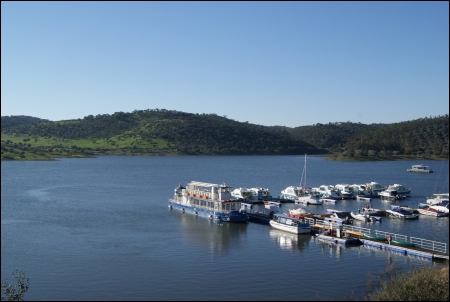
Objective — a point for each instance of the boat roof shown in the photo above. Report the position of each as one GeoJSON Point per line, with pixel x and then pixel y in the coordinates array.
{"type": "Point", "coordinates": [203, 184]}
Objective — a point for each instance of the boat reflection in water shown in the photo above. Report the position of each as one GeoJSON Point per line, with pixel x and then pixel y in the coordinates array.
{"type": "Point", "coordinates": [214, 235]}
{"type": "Point", "coordinates": [288, 241]}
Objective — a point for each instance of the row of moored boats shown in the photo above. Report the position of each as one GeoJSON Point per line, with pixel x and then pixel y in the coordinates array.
{"type": "Point", "coordinates": [217, 202]}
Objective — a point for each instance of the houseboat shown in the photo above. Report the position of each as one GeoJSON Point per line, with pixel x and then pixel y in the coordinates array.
{"type": "Point", "coordinates": [420, 169]}
{"type": "Point", "coordinates": [208, 200]}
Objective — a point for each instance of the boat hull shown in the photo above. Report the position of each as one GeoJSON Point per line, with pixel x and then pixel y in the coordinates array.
{"type": "Point", "coordinates": [299, 229]}
{"type": "Point", "coordinates": [234, 216]}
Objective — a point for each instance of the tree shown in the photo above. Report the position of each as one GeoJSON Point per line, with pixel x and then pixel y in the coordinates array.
{"type": "Point", "coordinates": [16, 292]}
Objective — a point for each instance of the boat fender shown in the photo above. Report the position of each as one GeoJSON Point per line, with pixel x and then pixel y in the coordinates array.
{"type": "Point", "coordinates": [196, 213]}
{"type": "Point", "coordinates": [182, 210]}
{"type": "Point", "coordinates": [389, 238]}
{"type": "Point", "coordinates": [170, 207]}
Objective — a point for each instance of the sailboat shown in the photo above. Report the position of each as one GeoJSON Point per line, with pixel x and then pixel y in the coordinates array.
{"type": "Point", "coordinates": [309, 196]}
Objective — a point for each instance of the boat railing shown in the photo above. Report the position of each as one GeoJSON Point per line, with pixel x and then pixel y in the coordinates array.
{"type": "Point", "coordinates": [356, 229]}
{"type": "Point", "coordinates": [429, 244]}
{"type": "Point", "coordinates": [394, 236]}
{"type": "Point", "coordinates": [309, 220]}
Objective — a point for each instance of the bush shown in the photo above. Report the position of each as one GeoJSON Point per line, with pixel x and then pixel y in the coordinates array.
{"type": "Point", "coordinates": [15, 293]}
{"type": "Point", "coordinates": [425, 284]}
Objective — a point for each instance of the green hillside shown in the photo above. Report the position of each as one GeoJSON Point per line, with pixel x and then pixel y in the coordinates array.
{"type": "Point", "coordinates": [168, 132]}
{"type": "Point", "coordinates": [147, 132]}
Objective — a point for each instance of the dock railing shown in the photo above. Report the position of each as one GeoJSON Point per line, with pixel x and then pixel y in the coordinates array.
{"type": "Point", "coordinates": [394, 236]}
{"type": "Point", "coordinates": [356, 229]}
{"type": "Point", "coordinates": [429, 244]}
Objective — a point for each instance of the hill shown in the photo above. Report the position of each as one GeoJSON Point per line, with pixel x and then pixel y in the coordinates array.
{"type": "Point", "coordinates": [153, 132]}
{"type": "Point", "coordinates": [169, 132]}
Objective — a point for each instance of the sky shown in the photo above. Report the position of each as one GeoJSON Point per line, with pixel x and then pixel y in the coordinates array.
{"type": "Point", "coordinates": [267, 63]}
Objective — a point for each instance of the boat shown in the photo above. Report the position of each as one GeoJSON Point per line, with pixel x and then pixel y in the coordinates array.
{"type": "Point", "coordinates": [292, 193]}
{"type": "Point", "coordinates": [433, 211]}
{"type": "Point", "coordinates": [208, 200]}
{"type": "Point", "coordinates": [289, 224]}
{"type": "Point", "coordinates": [298, 211]}
{"type": "Point", "coordinates": [374, 237]}
{"type": "Point", "coordinates": [307, 195]}
{"type": "Point", "coordinates": [344, 191]}
{"type": "Point", "coordinates": [401, 190]}
{"type": "Point", "coordinates": [243, 193]}
{"type": "Point", "coordinates": [406, 208]}
{"type": "Point", "coordinates": [364, 217]}
{"type": "Point", "coordinates": [402, 213]}
{"type": "Point", "coordinates": [390, 195]}
{"type": "Point", "coordinates": [374, 188]}
{"type": "Point", "coordinates": [360, 190]}
{"type": "Point", "coordinates": [329, 192]}
{"type": "Point", "coordinates": [420, 169]}
{"type": "Point", "coordinates": [260, 194]}
{"type": "Point", "coordinates": [310, 199]}
{"type": "Point", "coordinates": [438, 198]}
{"type": "Point", "coordinates": [339, 218]}
{"type": "Point", "coordinates": [402, 243]}
{"type": "Point", "coordinates": [262, 217]}
{"type": "Point", "coordinates": [373, 212]}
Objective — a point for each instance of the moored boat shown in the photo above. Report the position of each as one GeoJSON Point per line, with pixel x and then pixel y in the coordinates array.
{"type": "Point", "coordinates": [289, 224]}
{"type": "Point", "coordinates": [374, 188]}
{"type": "Point", "coordinates": [344, 191]}
{"type": "Point", "coordinates": [373, 212]}
{"type": "Point", "coordinates": [401, 213]}
{"type": "Point", "coordinates": [208, 200]}
{"type": "Point", "coordinates": [262, 217]}
{"type": "Point", "coordinates": [438, 198]}
{"type": "Point", "coordinates": [433, 211]}
{"type": "Point", "coordinates": [389, 194]}
{"type": "Point", "coordinates": [400, 189]}
{"type": "Point", "coordinates": [243, 193]}
{"type": "Point", "coordinates": [374, 237]}
{"type": "Point", "coordinates": [365, 217]}
{"type": "Point", "coordinates": [261, 194]}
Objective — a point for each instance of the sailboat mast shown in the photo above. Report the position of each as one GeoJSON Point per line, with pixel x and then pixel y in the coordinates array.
{"type": "Point", "coordinates": [303, 173]}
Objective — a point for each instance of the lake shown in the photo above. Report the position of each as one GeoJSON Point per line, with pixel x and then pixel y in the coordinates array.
{"type": "Point", "coordinates": [100, 229]}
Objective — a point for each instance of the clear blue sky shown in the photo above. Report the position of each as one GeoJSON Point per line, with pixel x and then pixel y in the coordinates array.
{"type": "Point", "coordinates": [268, 63]}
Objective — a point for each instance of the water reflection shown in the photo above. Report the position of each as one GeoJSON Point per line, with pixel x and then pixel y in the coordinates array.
{"type": "Point", "coordinates": [288, 241]}
{"type": "Point", "coordinates": [216, 236]}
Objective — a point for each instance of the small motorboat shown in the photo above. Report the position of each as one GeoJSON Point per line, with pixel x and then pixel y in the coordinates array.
{"type": "Point", "coordinates": [365, 217]}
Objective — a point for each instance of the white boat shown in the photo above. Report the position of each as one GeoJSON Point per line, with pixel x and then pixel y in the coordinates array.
{"type": "Point", "coordinates": [289, 224]}
{"type": "Point", "coordinates": [365, 217]}
{"type": "Point", "coordinates": [310, 199]}
{"type": "Point", "coordinates": [339, 217]}
{"type": "Point", "coordinates": [243, 193]}
{"type": "Point", "coordinates": [402, 213]}
{"type": "Point", "coordinates": [374, 188]}
{"type": "Point", "coordinates": [208, 200]}
{"type": "Point", "coordinates": [361, 191]}
{"type": "Point", "coordinates": [420, 169]}
{"type": "Point", "coordinates": [438, 198]}
{"type": "Point", "coordinates": [401, 190]}
{"type": "Point", "coordinates": [298, 211]}
{"type": "Point", "coordinates": [292, 193]}
{"type": "Point", "coordinates": [259, 193]}
{"type": "Point", "coordinates": [344, 191]}
{"type": "Point", "coordinates": [390, 195]}
{"type": "Point", "coordinates": [434, 211]}
{"type": "Point", "coordinates": [329, 192]}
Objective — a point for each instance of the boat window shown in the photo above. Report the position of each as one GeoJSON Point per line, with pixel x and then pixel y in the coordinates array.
{"type": "Point", "coordinates": [288, 221]}
{"type": "Point", "coordinates": [282, 220]}
{"type": "Point", "coordinates": [232, 206]}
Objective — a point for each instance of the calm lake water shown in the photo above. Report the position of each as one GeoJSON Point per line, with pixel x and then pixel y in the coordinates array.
{"type": "Point", "coordinates": [100, 229]}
